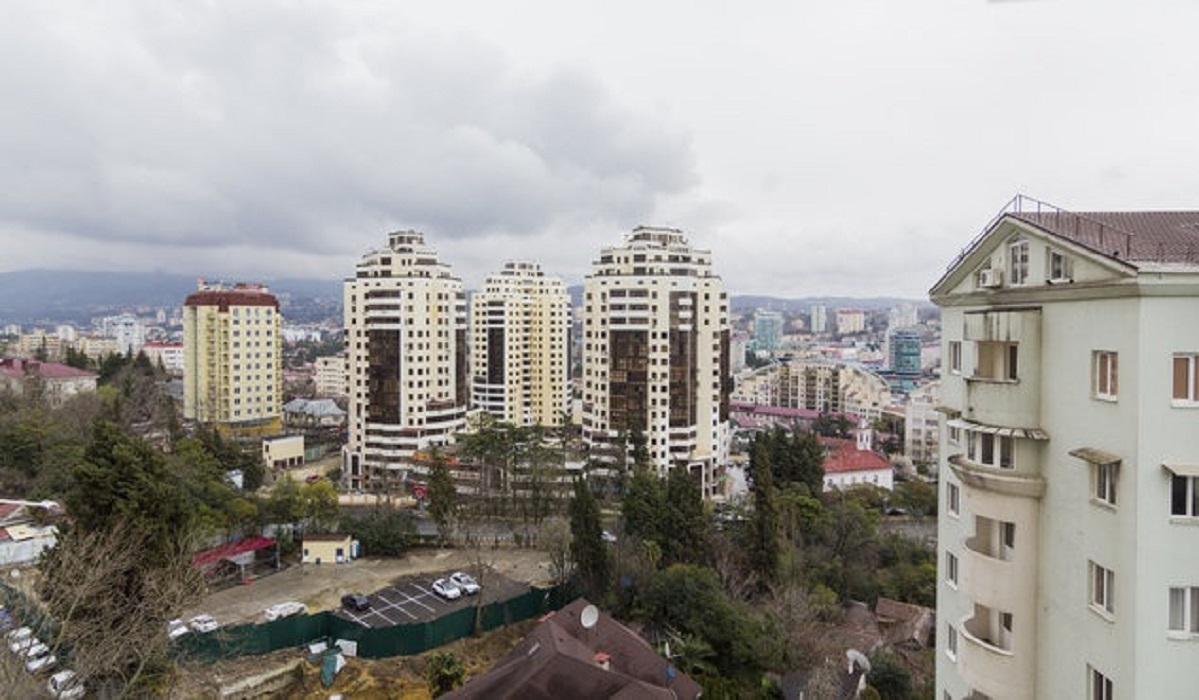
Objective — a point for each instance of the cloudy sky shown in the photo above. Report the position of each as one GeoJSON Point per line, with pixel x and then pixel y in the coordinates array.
{"type": "Point", "coordinates": [842, 147]}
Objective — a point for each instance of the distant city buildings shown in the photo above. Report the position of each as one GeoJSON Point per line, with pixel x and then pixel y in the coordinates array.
{"type": "Point", "coordinates": [1070, 461]}
{"type": "Point", "coordinates": [823, 387]}
{"type": "Point", "coordinates": [851, 321]}
{"type": "Point", "coordinates": [818, 316]}
{"type": "Point", "coordinates": [656, 354]}
{"type": "Point", "coordinates": [520, 339]}
{"type": "Point", "coordinates": [329, 376]}
{"type": "Point", "coordinates": [922, 421]}
{"type": "Point", "coordinates": [768, 330]}
{"type": "Point", "coordinates": [232, 375]}
{"type": "Point", "coordinates": [128, 332]}
{"type": "Point", "coordinates": [169, 355]}
{"type": "Point", "coordinates": [54, 382]}
{"type": "Point", "coordinates": [406, 361]}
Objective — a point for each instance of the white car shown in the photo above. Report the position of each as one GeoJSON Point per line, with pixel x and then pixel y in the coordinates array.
{"type": "Point", "coordinates": [37, 649]}
{"type": "Point", "coordinates": [41, 663]}
{"type": "Point", "coordinates": [176, 629]}
{"type": "Point", "coordinates": [23, 645]}
{"type": "Point", "coordinates": [64, 685]}
{"type": "Point", "coordinates": [280, 610]}
{"type": "Point", "coordinates": [447, 589]}
{"type": "Point", "coordinates": [466, 582]}
{"type": "Point", "coordinates": [203, 624]}
{"type": "Point", "coordinates": [18, 634]}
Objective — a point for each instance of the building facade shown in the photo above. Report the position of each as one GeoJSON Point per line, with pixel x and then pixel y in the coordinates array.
{"type": "Point", "coordinates": [233, 357]}
{"type": "Point", "coordinates": [656, 353]}
{"type": "Point", "coordinates": [922, 424]}
{"type": "Point", "coordinates": [1070, 460]}
{"type": "Point", "coordinates": [329, 376]}
{"type": "Point", "coordinates": [768, 330]}
{"type": "Point", "coordinates": [519, 352]}
{"type": "Point", "coordinates": [824, 387]}
{"type": "Point", "coordinates": [851, 321]}
{"type": "Point", "coordinates": [406, 361]}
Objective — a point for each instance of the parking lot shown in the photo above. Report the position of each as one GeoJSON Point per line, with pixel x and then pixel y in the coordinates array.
{"type": "Point", "coordinates": [411, 599]}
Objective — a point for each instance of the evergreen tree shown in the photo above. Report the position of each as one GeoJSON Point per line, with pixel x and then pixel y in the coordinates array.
{"type": "Point", "coordinates": [685, 537]}
{"type": "Point", "coordinates": [443, 495]}
{"type": "Point", "coordinates": [764, 535]}
{"type": "Point", "coordinates": [643, 507]}
{"type": "Point", "coordinates": [587, 544]}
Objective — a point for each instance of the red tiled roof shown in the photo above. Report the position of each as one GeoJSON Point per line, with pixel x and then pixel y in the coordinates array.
{"type": "Point", "coordinates": [851, 459]}
{"type": "Point", "coordinates": [238, 296]}
{"type": "Point", "coordinates": [17, 368]}
{"type": "Point", "coordinates": [1133, 236]}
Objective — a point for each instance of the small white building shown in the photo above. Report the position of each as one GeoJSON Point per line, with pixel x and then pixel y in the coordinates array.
{"type": "Point", "coordinates": [283, 451]}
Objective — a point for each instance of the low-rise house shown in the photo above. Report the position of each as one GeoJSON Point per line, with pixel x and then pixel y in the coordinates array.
{"type": "Point", "coordinates": [329, 548]}
{"type": "Point", "coordinates": [283, 451]}
{"type": "Point", "coordinates": [55, 381]}
{"type": "Point", "coordinates": [313, 412]}
{"type": "Point", "coordinates": [26, 528]}
{"type": "Point", "coordinates": [580, 652]}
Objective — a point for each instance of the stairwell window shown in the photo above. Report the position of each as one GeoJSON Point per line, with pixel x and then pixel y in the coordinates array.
{"type": "Point", "coordinates": [1106, 377]}
{"type": "Point", "coordinates": [955, 356]}
{"type": "Point", "coordinates": [1100, 686]}
{"type": "Point", "coordinates": [951, 642]}
{"type": "Point", "coordinates": [1018, 262]}
{"type": "Point", "coordinates": [1184, 610]}
{"type": "Point", "coordinates": [1184, 496]}
{"type": "Point", "coordinates": [1102, 584]}
{"type": "Point", "coordinates": [1186, 379]}
{"type": "Point", "coordinates": [1105, 482]}
{"type": "Point", "coordinates": [953, 494]}
{"type": "Point", "coordinates": [951, 569]}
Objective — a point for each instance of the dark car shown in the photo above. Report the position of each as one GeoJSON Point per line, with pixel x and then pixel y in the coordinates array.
{"type": "Point", "coordinates": [355, 601]}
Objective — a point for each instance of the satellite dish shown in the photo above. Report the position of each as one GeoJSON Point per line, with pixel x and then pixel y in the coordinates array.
{"type": "Point", "coordinates": [857, 658]}
{"type": "Point", "coordinates": [589, 616]}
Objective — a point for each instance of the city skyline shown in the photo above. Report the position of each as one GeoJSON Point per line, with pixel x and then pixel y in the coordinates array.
{"type": "Point", "coordinates": [841, 149]}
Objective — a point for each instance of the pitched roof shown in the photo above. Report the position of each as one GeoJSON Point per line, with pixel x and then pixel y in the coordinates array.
{"type": "Point", "coordinates": [848, 458]}
{"type": "Point", "coordinates": [1132, 236]}
{"type": "Point", "coordinates": [559, 660]}
{"type": "Point", "coordinates": [18, 368]}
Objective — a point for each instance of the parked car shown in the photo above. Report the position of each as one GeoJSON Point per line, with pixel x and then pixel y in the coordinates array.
{"type": "Point", "coordinates": [18, 634]}
{"type": "Point", "coordinates": [466, 582]}
{"type": "Point", "coordinates": [65, 685]}
{"type": "Point", "coordinates": [280, 610]}
{"type": "Point", "coordinates": [203, 624]}
{"type": "Point", "coordinates": [313, 478]}
{"type": "Point", "coordinates": [38, 648]}
{"type": "Point", "coordinates": [23, 645]}
{"type": "Point", "coordinates": [356, 602]}
{"type": "Point", "coordinates": [607, 536]}
{"type": "Point", "coordinates": [176, 629]}
{"type": "Point", "coordinates": [447, 589]}
{"type": "Point", "coordinates": [41, 664]}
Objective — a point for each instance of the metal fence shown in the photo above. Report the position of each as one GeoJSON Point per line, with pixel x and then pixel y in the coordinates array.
{"type": "Point", "coordinates": [373, 642]}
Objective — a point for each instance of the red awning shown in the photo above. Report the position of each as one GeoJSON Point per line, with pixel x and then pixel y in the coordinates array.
{"type": "Point", "coordinates": [250, 544]}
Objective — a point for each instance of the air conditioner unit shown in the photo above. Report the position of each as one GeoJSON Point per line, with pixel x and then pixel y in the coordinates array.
{"type": "Point", "coordinates": [990, 278]}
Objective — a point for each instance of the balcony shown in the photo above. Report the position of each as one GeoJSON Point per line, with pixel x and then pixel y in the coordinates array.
{"type": "Point", "coordinates": [988, 580]}
{"type": "Point", "coordinates": [985, 664]}
{"type": "Point", "coordinates": [1004, 481]}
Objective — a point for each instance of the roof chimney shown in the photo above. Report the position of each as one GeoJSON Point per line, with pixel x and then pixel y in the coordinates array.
{"type": "Point", "coordinates": [602, 660]}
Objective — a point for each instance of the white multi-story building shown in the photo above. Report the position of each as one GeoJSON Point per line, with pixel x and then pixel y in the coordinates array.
{"type": "Point", "coordinates": [825, 387]}
{"type": "Point", "coordinates": [656, 353]}
{"type": "Point", "coordinates": [233, 357]}
{"type": "Point", "coordinates": [850, 321]}
{"type": "Point", "coordinates": [405, 316]}
{"type": "Point", "coordinates": [921, 424]}
{"type": "Point", "coordinates": [818, 316]}
{"type": "Point", "coordinates": [1070, 462]}
{"type": "Point", "coordinates": [519, 353]}
{"type": "Point", "coordinates": [169, 355]}
{"type": "Point", "coordinates": [329, 376]}
{"type": "Point", "coordinates": [127, 330]}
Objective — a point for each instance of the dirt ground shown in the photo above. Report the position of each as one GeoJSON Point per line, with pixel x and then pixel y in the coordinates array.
{"type": "Point", "coordinates": [321, 587]}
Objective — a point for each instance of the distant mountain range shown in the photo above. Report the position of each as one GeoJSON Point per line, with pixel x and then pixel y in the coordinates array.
{"type": "Point", "coordinates": [56, 296]}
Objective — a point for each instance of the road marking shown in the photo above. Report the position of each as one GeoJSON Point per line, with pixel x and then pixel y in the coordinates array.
{"type": "Point", "coordinates": [416, 600]}
{"type": "Point", "coordinates": [395, 605]}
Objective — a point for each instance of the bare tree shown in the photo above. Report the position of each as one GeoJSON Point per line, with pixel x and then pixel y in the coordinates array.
{"type": "Point", "coordinates": [554, 538]}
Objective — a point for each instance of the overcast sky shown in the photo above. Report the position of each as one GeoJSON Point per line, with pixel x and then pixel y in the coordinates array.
{"type": "Point", "coordinates": [835, 147]}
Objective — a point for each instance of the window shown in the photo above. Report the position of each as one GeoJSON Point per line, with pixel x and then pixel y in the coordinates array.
{"type": "Point", "coordinates": [1184, 496]}
{"type": "Point", "coordinates": [997, 361]}
{"type": "Point", "coordinates": [990, 450]}
{"type": "Point", "coordinates": [951, 569]}
{"type": "Point", "coordinates": [951, 641]}
{"type": "Point", "coordinates": [1105, 482]}
{"type": "Point", "coordinates": [1186, 378]}
{"type": "Point", "coordinates": [1106, 378]}
{"type": "Point", "coordinates": [1100, 686]}
{"type": "Point", "coordinates": [955, 356]}
{"type": "Point", "coordinates": [1184, 610]}
{"type": "Point", "coordinates": [1018, 259]}
{"type": "Point", "coordinates": [1061, 268]}
{"type": "Point", "coordinates": [1102, 582]}
{"type": "Point", "coordinates": [953, 494]}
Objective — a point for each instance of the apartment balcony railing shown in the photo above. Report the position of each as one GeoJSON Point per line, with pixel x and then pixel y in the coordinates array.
{"type": "Point", "coordinates": [1004, 481]}
{"type": "Point", "coordinates": [984, 665]}
{"type": "Point", "coordinates": [988, 580]}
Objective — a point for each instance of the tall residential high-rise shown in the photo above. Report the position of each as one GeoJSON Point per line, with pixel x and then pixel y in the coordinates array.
{"type": "Point", "coordinates": [520, 339]}
{"type": "Point", "coordinates": [405, 319]}
{"type": "Point", "coordinates": [768, 330]}
{"type": "Point", "coordinates": [904, 352]}
{"type": "Point", "coordinates": [818, 320]}
{"type": "Point", "coordinates": [656, 353]}
{"type": "Point", "coordinates": [1070, 461]}
{"type": "Point", "coordinates": [233, 357]}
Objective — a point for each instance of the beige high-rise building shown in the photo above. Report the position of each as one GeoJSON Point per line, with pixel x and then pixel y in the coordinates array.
{"type": "Point", "coordinates": [520, 335]}
{"type": "Point", "coordinates": [656, 353]}
{"type": "Point", "coordinates": [233, 357]}
{"type": "Point", "coordinates": [406, 361]}
{"type": "Point", "coordinates": [1069, 474]}
{"type": "Point", "coordinates": [329, 376]}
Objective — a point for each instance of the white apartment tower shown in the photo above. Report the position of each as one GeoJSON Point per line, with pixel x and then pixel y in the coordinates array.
{"type": "Point", "coordinates": [1069, 480]}
{"type": "Point", "coordinates": [520, 335]}
{"type": "Point", "coordinates": [405, 316]}
{"type": "Point", "coordinates": [656, 353]}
